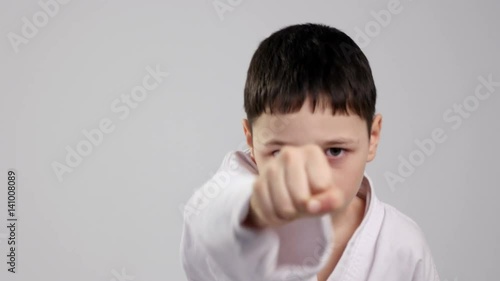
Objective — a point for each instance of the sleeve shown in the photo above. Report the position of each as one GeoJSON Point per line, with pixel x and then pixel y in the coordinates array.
{"type": "Point", "coordinates": [425, 269]}
{"type": "Point", "coordinates": [216, 247]}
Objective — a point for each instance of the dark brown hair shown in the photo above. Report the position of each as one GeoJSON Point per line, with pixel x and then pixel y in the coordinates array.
{"type": "Point", "coordinates": [309, 60]}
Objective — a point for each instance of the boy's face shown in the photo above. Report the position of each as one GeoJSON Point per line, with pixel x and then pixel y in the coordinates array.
{"type": "Point", "coordinates": [344, 138]}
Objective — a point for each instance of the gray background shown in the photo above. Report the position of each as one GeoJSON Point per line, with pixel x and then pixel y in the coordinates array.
{"type": "Point", "coordinates": [119, 208]}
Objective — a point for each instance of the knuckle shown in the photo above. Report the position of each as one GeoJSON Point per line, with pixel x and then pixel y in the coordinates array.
{"type": "Point", "coordinates": [287, 153]}
{"type": "Point", "coordinates": [301, 202]}
{"type": "Point", "coordinates": [286, 212]}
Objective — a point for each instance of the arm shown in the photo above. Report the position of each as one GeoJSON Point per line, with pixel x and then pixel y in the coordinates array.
{"type": "Point", "coordinates": [425, 269]}
{"type": "Point", "coordinates": [216, 246]}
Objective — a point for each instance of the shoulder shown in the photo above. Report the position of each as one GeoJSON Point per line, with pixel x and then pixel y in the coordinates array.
{"type": "Point", "coordinates": [238, 162]}
{"type": "Point", "coordinates": [410, 245]}
{"type": "Point", "coordinates": [399, 219]}
{"type": "Point", "coordinates": [403, 233]}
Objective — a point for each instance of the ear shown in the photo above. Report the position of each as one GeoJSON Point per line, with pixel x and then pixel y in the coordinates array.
{"type": "Point", "coordinates": [247, 130]}
{"type": "Point", "coordinates": [374, 137]}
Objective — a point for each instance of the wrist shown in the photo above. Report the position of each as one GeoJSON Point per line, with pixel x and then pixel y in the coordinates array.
{"type": "Point", "coordinates": [251, 220]}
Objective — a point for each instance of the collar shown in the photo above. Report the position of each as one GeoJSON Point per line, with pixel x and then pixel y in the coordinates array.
{"type": "Point", "coordinates": [359, 250]}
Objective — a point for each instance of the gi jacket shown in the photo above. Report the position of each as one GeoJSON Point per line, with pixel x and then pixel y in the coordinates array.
{"type": "Point", "coordinates": [387, 246]}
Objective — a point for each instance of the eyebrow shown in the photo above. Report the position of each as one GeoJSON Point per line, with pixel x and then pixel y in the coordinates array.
{"type": "Point", "coordinates": [332, 142]}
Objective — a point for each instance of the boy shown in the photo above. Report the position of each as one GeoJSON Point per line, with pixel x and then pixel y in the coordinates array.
{"type": "Point", "coordinates": [297, 205]}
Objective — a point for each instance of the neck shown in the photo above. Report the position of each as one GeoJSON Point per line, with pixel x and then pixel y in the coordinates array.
{"type": "Point", "coordinates": [344, 223]}
{"type": "Point", "coordinates": [347, 220]}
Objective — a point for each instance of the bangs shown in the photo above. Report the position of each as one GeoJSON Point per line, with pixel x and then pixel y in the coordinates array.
{"type": "Point", "coordinates": [309, 61]}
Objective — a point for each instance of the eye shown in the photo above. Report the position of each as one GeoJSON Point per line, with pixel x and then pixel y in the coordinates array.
{"type": "Point", "coordinates": [275, 153]}
{"type": "Point", "coordinates": [334, 152]}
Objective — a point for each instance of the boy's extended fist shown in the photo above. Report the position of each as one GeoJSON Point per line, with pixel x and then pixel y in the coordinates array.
{"type": "Point", "coordinates": [297, 182]}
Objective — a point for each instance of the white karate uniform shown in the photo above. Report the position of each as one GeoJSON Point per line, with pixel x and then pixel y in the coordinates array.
{"type": "Point", "coordinates": [387, 246]}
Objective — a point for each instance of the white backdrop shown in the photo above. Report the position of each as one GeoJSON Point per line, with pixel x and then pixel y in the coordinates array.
{"type": "Point", "coordinates": [113, 112]}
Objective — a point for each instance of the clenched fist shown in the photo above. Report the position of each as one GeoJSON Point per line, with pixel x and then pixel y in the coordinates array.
{"type": "Point", "coordinates": [297, 182]}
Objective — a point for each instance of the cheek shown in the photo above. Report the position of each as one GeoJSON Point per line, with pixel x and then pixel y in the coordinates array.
{"type": "Point", "coordinates": [260, 160]}
{"type": "Point", "coordinates": [349, 175]}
